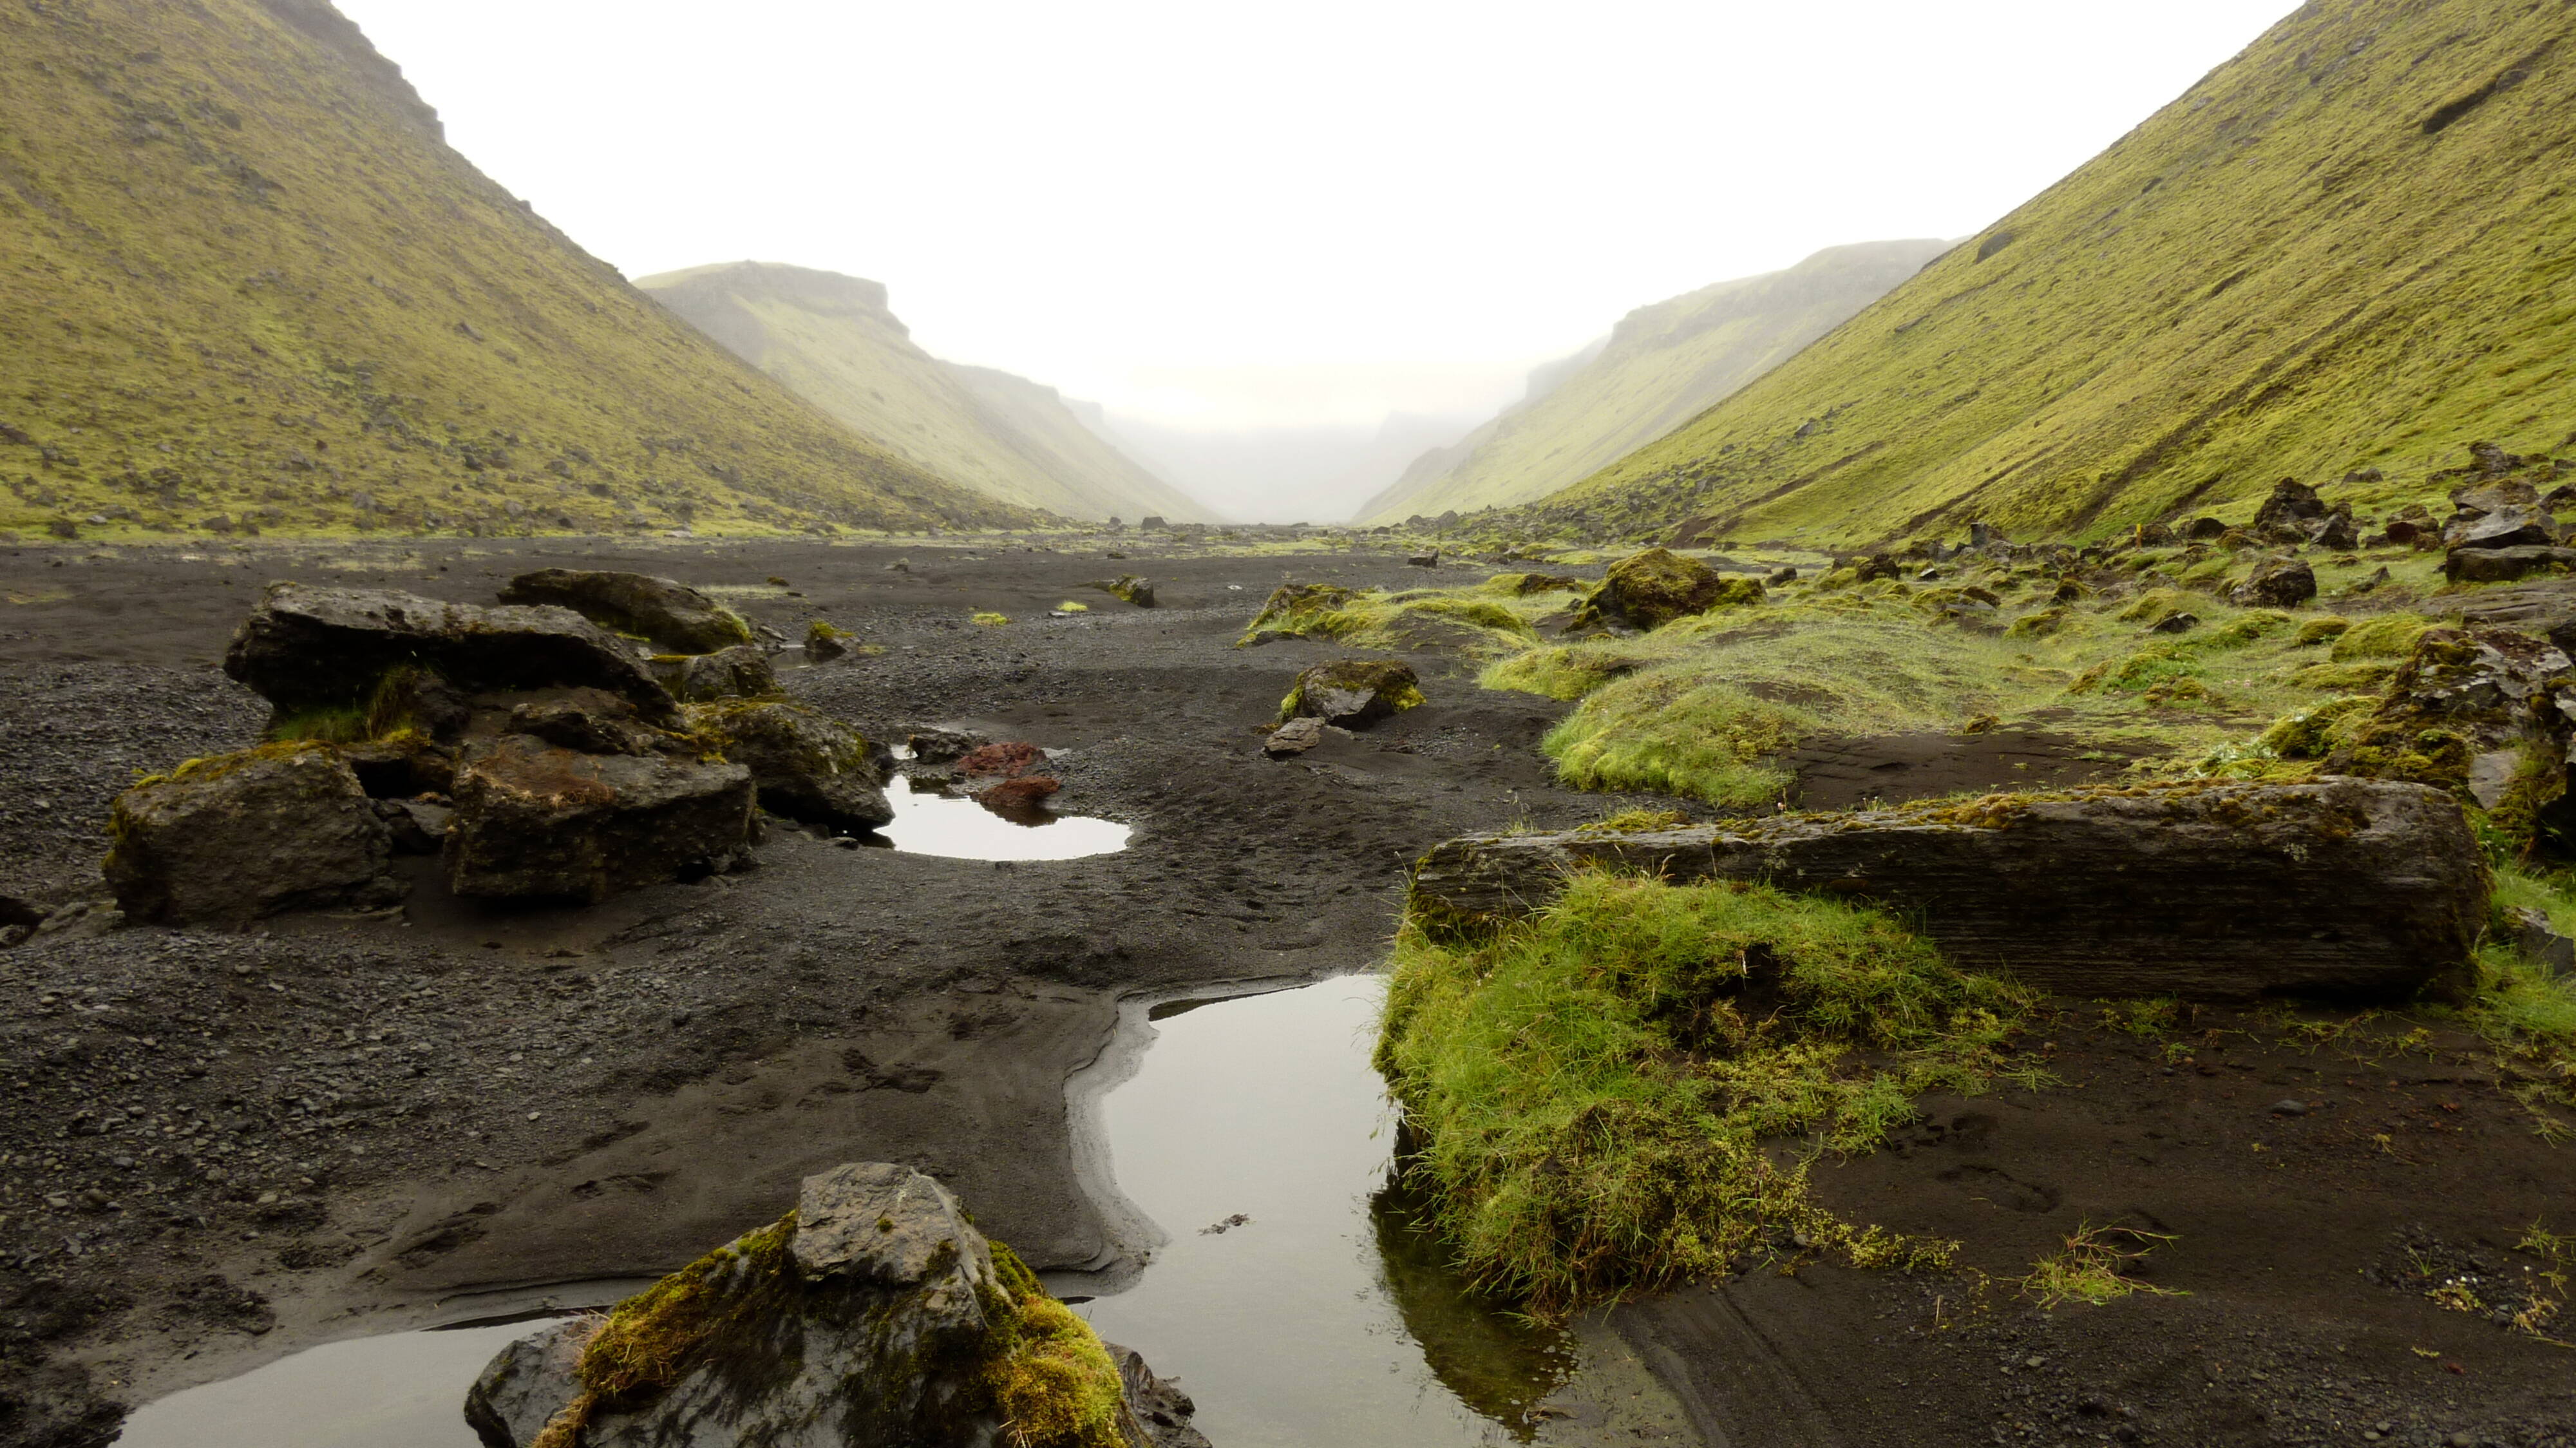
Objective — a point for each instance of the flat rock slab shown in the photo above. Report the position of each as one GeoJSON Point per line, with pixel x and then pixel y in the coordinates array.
{"type": "Point", "coordinates": [2344, 888]}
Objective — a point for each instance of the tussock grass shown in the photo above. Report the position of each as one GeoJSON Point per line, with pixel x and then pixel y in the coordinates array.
{"type": "Point", "coordinates": [2090, 1267]}
{"type": "Point", "coordinates": [1593, 1089]}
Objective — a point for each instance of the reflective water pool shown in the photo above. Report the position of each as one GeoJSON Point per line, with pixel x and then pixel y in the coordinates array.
{"type": "Point", "coordinates": [928, 823]}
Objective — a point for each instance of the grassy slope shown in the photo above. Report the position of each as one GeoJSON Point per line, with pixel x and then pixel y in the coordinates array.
{"type": "Point", "coordinates": [244, 276]}
{"type": "Point", "coordinates": [2314, 261]}
{"type": "Point", "coordinates": [832, 340]}
{"type": "Point", "coordinates": [1664, 364]}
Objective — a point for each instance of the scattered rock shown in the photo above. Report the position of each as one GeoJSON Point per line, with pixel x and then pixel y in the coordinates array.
{"type": "Point", "coordinates": [873, 1314]}
{"type": "Point", "coordinates": [2174, 623]}
{"type": "Point", "coordinates": [806, 767]}
{"type": "Point", "coordinates": [306, 647]}
{"type": "Point", "coordinates": [1297, 736]}
{"type": "Point", "coordinates": [2338, 531]}
{"type": "Point", "coordinates": [2204, 529]}
{"type": "Point", "coordinates": [2338, 888]}
{"type": "Point", "coordinates": [939, 746]}
{"type": "Point", "coordinates": [1423, 560]}
{"type": "Point", "coordinates": [591, 722]}
{"type": "Point", "coordinates": [417, 827]}
{"type": "Point", "coordinates": [2508, 527]}
{"type": "Point", "coordinates": [1127, 587]}
{"type": "Point", "coordinates": [1292, 610]}
{"type": "Point", "coordinates": [2460, 693]}
{"type": "Point", "coordinates": [824, 643]}
{"type": "Point", "coordinates": [1352, 693]}
{"type": "Point", "coordinates": [239, 836]}
{"type": "Point", "coordinates": [1649, 589]}
{"type": "Point", "coordinates": [1533, 583]}
{"type": "Point", "coordinates": [2292, 503]}
{"type": "Point", "coordinates": [2276, 583]}
{"type": "Point", "coordinates": [2289, 1108]}
{"type": "Point", "coordinates": [1001, 761]}
{"type": "Point", "coordinates": [740, 672]}
{"type": "Point", "coordinates": [534, 820]}
{"type": "Point", "coordinates": [675, 617]}
{"type": "Point", "coordinates": [2540, 942]}
{"type": "Point", "coordinates": [2503, 565]}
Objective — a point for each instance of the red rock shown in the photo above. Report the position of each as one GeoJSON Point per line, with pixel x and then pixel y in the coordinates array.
{"type": "Point", "coordinates": [1008, 761]}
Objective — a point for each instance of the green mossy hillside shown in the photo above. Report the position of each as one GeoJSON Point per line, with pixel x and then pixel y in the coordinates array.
{"type": "Point", "coordinates": [2347, 249]}
{"type": "Point", "coordinates": [1662, 365]}
{"type": "Point", "coordinates": [1589, 1089]}
{"type": "Point", "coordinates": [248, 286]}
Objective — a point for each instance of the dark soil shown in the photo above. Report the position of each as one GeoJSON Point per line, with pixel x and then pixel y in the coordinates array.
{"type": "Point", "coordinates": [221, 1147]}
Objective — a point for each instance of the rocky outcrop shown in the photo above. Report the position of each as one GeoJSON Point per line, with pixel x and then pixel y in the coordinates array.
{"type": "Point", "coordinates": [2293, 506]}
{"type": "Point", "coordinates": [239, 836]}
{"type": "Point", "coordinates": [874, 1315]}
{"type": "Point", "coordinates": [806, 767]}
{"type": "Point", "coordinates": [536, 820]}
{"type": "Point", "coordinates": [1352, 693]}
{"type": "Point", "coordinates": [307, 647]}
{"type": "Point", "coordinates": [2345, 888]}
{"type": "Point", "coordinates": [2504, 565]}
{"type": "Point", "coordinates": [677, 619]}
{"type": "Point", "coordinates": [741, 672]}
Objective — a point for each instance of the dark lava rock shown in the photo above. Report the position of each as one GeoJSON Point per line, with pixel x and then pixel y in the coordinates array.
{"type": "Point", "coordinates": [238, 836]}
{"type": "Point", "coordinates": [2291, 504]}
{"type": "Point", "coordinates": [2510, 527]}
{"type": "Point", "coordinates": [874, 1314]}
{"type": "Point", "coordinates": [1127, 588]}
{"type": "Point", "coordinates": [2503, 565]}
{"type": "Point", "coordinates": [537, 821]}
{"type": "Point", "coordinates": [418, 827]}
{"type": "Point", "coordinates": [2338, 531]}
{"type": "Point", "coordinates": [2341, 888]}
{"type": "Point", "coordinates": [1649, 589]}
{"type": "Point", "coordinates": [807, 767]}
{"type": "Point", "coordinates": [2540, 942]}
{"type": "Point", "coordinates": [1423, 560]}
{"type": "Point", "coordinates": [1352, 692]}
{"type": "Point", "coordinates": [2174, 623]}
{"type": "Point", "coordinates": [741, 672]}
{"type": "Point", "coordinates": [307, 647]}
{"type": "Point", "coordinates": [2276, 583]}
{"type": "Point", "coordinates": [939, 746]}
{"type": "Point", "coordinates": [824, 643]}
{"type": "Point", "coordinates": [675, 617]}
{"type": "Point", "coordinates": [403, 764]}
{"type": "Point", "coordinates": [2204, 529]}
{"type": "Point", "coordinates": [591, 722]}
{"type": "Point", "coordinates": [2461, 693]}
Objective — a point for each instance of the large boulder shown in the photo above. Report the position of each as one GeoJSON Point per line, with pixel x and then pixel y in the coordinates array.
{"type": "Point", "coordinates": [2276, 583]}
{"type": "Point", "coordinates": [807, 767]}
{"type": "Point", "coordinates": [875, 1314]}
{"type": "Point", "coordinates": [2344, 888]}
{"type": "Point", "coordinates": [741, 672]}
{"type": "Point", "coordinates": [1647, 590]}
{"type": "Point", "coordinates": [232, 838]}
{"type": "Point", "coordinates": [2463, 695]}
{"type": "Point", "coordinates": [2293, 505]}
{"type": "Point", "coordinates": [677, 618]}
{"type": "Point", "coordinates": [1352, 693]}
{"type": "Point", "coordinates": [535, 820]}
{"type": "Point", "coordinates": [307, 647]}
{"type": "Point", "coordinates": [2503, 565]}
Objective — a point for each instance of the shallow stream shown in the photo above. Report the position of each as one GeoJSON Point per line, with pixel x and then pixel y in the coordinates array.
{"type": "Point", "coordinates": [1322, 1319]}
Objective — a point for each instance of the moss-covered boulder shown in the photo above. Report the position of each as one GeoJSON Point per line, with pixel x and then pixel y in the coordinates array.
{"type": "Point", "coordinates": [824, 643]}
{"type": "Point", "coordinates": [1127, 588]}
{"type": "Point", "coordinates": [1650, 589]}
{"type": "Point", "coordinates": [2276, 583]}
{"type": "Point", "coordinates": [806, 767]}
{"type": "Point", "coordinates": [874, 1313]}
{"type": "Point", "coordinates": [675, 617]}
{"type": "Point", "coordinates": [2462, 694]}
{"type": "Point", "coordinates": [538, 821]}
{"type": "Point", "coordinates": [239, 836]}
{"type": "Point", "coordinates": [742, 672]}
{"type": "Point", "coordinates": [1352, 693]}
{"type": "Point", "coordinates": [1297, 610]}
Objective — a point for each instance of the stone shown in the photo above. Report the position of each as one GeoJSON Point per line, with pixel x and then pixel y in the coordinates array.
{"type": "Point", "coordinates": [2540, 942]}
{"type": "Point", "coordinates": [2204, 529]}
{"type": "Point", "coordinates": [1127, 588]}
{"type": "Point", "coordinates": [1022, 798]}
{"type": "Point", "coordinates": [1293, 610]}
{"type": "Point", "coordinates": [591, 722]}
{"type": "Point", "coordinates": [2503, 565]}
{"type": "Point", "coordinates": [1423, 560]}
{"type": "Point", "coordinates": [824, 643]}
{"type": "Point", "coordinates": [416, 826]}
{"type": "Point", "coordinates": [1008, 760]}
{"type": "Point", "coordinates": [537, 821]}
{"type": "Point", "coordinates": [308, 647]}
{"type": "Point", "coordinates": [939, 746]}
{"type": "Point", "coordinates": [805, 766]}
{"type": "Point", "coordinates": [741, 672]}
{"type": "Point", "coordinates": [873, 1315]}
{"type": "Point", "coordinates": [1534, 583]}
{"type": "Point", "coordinates": [240, 836]}
{"type": "Point", "coordinates": [1294, 737]}
{"type": "Point", "coordinates": [2504, 528]}
{"type": "Point", "coordinates": [2275, 583]}
{"type": "Point", "coordinates": [2338, 531]}
{"type": "Point", "coordinates": [2174, 623]}
{"type": "Point", "coordinates": [2289, 1108]}
{"type": "Point", "coordinates": [1352, 693]}
{"type": "Point", "coordinates": [2341, 888]}
{"type": "Point", "coordinates": [676, 618]}
{"type": "Point", "coordinates": [1649, 589]}
{"type": "Point", "coordinates": [2291, 504]}
{"type": "Point", "coordinates": [403, 764]}
{"type": "Point", "coordinates": [2460, 693]}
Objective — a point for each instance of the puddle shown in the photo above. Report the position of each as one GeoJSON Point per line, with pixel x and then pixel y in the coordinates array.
{"type": "Point", "coordinates": [400, 1390]}
{"type": "Point", "coordinates": [928, 823]}
{"type": "Point", "coordinates": [1326, 1318]}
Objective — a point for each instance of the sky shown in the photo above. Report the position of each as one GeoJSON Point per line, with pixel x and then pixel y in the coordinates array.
{"type": "Point", "coordinates": [1216, 216]}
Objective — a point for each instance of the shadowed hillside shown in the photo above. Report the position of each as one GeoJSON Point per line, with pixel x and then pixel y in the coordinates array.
{"type": "Point", "coordinates": [1661, 365]}
{"type": "Point", "coordinates": [2347, 248]}
{"type": "Point", "coordinates": [832, 340]}
{"type": "Point", "coordinates": [247, 285]}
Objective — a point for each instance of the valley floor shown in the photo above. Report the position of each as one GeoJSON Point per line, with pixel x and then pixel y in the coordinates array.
{"type": "Point", "coordinates": [222, 1147]}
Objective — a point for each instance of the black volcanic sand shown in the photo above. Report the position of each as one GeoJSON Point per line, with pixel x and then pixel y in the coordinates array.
{"type": "Point", "coordinates": [222, 1147]}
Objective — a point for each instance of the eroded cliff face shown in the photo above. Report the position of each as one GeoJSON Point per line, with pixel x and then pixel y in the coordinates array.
{"type": "Point", "coordinates": [835, 342]}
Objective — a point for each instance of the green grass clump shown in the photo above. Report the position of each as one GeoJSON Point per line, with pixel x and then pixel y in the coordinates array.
{"type": "Point", "coordinates": [1560, 672]}
{"type": "Point", "coordinates": [2389, 636]}
{"type": "Point", "coordinates": [251, 290]}
{"type": "Point", "coordinates": [1677, 734]}
{"type": "Point", "coordinates": [1591, 1087]}
{"type": "Point", "coordinates": [990, 619]}
{"type": "Point", "coordinates": [2090, 1267]}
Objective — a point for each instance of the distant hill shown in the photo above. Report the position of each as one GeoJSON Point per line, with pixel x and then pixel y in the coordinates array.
{"type": "Point", "coordinates": [1312, 473]}
{"type": "Point", "coordinates": [247, 285]}
{"type": "Point", "coordinates": [1662, 365]}
{"type": "Point", "coordinates": [2350, 247]}
{"type": "Point", "coordinates": [833, 341]}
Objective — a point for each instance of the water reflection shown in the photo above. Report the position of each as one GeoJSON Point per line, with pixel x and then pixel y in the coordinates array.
{"type": "Point", "coordinates": [1498, 1363]}
{"type": "Point", "coordinates": [927, 822]}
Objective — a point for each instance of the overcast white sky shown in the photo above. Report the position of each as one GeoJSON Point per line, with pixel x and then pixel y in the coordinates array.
{"type": "Point", "coordinates": [1237, 215]}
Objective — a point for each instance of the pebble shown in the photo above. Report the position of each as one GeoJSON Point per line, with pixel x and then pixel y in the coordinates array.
{"type": "Point", "coordinates": [2289, 1108]}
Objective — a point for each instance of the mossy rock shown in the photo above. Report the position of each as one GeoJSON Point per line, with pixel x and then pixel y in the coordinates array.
{"type": "Point", "coordinates": [1127, 588]}
{"type": "Point", "coordinates": [2314, 733]}
{"type": "Point", "coordinates": [1352, 693]}
{"type": "Point", "coordinates": [1296, 610]}
{"type": "Point", "coordinates": [1650, 589]}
